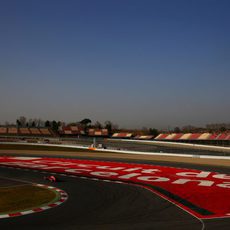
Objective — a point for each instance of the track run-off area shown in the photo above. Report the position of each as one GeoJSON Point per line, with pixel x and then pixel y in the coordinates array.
{"type": "Point", "coordinates": [203, 194]}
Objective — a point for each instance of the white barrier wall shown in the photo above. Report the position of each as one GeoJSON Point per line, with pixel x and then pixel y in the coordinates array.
{"type": "Point", "coordinates": [177, 144]}
{"type": "Point", "coordinates": [126, 152]}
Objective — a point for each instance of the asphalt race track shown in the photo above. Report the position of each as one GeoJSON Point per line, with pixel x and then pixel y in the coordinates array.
{"type": "Point", "coordinates": [101, 205]}
{"type": "Point", "coordinates": [105, 205]}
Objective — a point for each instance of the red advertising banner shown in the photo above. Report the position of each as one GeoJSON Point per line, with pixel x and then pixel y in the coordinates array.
{"type": "Point", "coordinates": [203, 194]}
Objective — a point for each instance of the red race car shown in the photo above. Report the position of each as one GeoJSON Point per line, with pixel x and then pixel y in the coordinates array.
{"type": "Point", "coordinates": [51, 178]}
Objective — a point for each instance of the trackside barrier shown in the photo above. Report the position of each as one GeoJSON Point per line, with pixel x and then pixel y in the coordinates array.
{"type": "Point", "coordinates": [177, 144]}
{"type": "Point", "coordinates": [125, 151]}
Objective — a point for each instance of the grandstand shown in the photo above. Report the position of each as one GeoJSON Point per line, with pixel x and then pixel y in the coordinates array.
{"type": "Point", "coordinates": [170, 136]}
{"type": "Point", "coordinates": [98, 132]}
{"type": "Point", "coordinates": [35, 131]}
{"type": "Point", "coordinates": [143, 137]}
{"type": "Point", "coordinates": [223, 136]}
{"type": "Point", "coordinates": [122, 135]}
{"type": "Point", "coordinates": [161, 136]}
{"type": "Point", "coordinates": [3, 130]}
{"type": "Point", "coordinates": [25, 131]}
{"type": "Point", "coordinates": [12, 131]}
{"type": "Point", "coordinates": [186, 136]}
{"type": "Point", "coordinates": [204, 136]}
{"type": "Point", "coordinates": [193, 136]}
{"type": "Point", "coordinates": [71, 131]}
{"type": "Point", "coordinates": [75, 131]}
{"type": "Point", "coordinates": [46, 132]}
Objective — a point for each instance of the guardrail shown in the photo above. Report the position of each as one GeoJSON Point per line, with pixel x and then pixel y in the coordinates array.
{"type": "Point", "coordinates": [177, 144]}
{"type": "Point", "coordinates": [125, 151]}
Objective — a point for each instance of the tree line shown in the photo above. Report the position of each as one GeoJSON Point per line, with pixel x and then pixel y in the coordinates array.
{"type": "Point", "coordinates": [85, 123]}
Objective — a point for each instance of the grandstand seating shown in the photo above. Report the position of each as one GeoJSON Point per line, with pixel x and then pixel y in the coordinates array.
{"type": "Point", "coordinates": [35, 131]}
{"type": "Point", "coordinates": [143, 137]}
{"type": "Point", "coordinates": [12, 130]}
{"type": "Point", "coordinates": [222, 136]}
{"type": "Point", "coordinates": [122, 135]}
{"type": "Point", "coordinates": [161, 136]}
{"type": "Point", "coordinates": [193, 136]}
{"type": "Point", "coordinates": [68, 132]}
{"type": "Point", "coordinates": [228, 137]}
{"type": "Point", "coordinates": [177, 136]}
{"type": "Point", "coordinates": [98, 132]}
{"type": "Point", "coordinates": [46, 131]}
{"type": "Point", "coordinates": [204, 136]}
{"type": "Point", "coordinates": [75, 130]}
{"type": "Point", "coordinates": [170, 136]}
{"type": "Point", "coordinates": [186, 136]}
{"type": "Point", "coordinates": [71, 130]}
{"type": "Point", "coordinates": [213, 136]}
{"type": "Point", "coordinates": [24, 131]}
{"type": "Point", "coordinates": [3, 130]}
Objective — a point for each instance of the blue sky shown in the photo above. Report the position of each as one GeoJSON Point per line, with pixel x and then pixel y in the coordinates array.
{"type": "Point", "coordinates": [155, 63]}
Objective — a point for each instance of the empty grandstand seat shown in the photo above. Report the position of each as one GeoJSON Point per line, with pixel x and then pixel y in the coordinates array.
{"type": "Point", "coordinates": [71, 130]}
{"type": "Point", "coordinates": [177, 136]}
{"type": "Point", "coordinates": [170, 136]}
{"type": "Point", "coordinates": [186, 136]}
{"type": "Point", "coordinates": [45, 131]}
{"type": "Point", "coordinates": [3, 130]}
{"type": "Point", "coordinates": [162, 136]}
{"type": "Point", "coordinates": [204, 136]}
{"type": "Point", "coordinates": [35, 131]}
{"type": "Point", "coordinates": [228, 137]}
{"type": "Point", "coordinates": [68, 132]}
{"type": "Point", "coordinates": [213, 136]}
{"type": "Point", "coordinates": [195, 136]}
{"type": "Point", "coordinates": [75, 130]}
{"type": "Point", "coordinates": [122, 135]}
{"type": "Point", "coordinates": [222, 136]}
{"type": "Point", "coordinates": [24, 131]}
{"type": "Point", "coordinates": [144, 137]}
{"type": "Point", "coordinates": [98, 132]}
{"type": "Point", "coordinates": [12, 130]}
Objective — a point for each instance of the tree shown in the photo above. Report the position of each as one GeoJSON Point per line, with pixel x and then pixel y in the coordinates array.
{"type": "Point", "coordinates": [40, 123]}
{"type": "Point", "coordinates": [30, 122]}
{"type": "Point", "coordinates": [33, 124]}
{"type": "Point", "coordinates": [108, 126]}
{"type": "Point", "coordinates": [153, 132]}
{"type": "Point", "coordinates": [177, 130]}
{"type": "Point", "coordinates": [98, 125]}
{"type": "Point", "coordinates": [47, 124]}
{"type": "Point", "coordinates": [22, 120]}
{"type": "Point", "coordinates": [55, 126]}
{"type": "Point", "coordinates": [223, 129]}
{"type": "Point", "coordinates": [59, 124]}
{"type": "Point", "coordinates": [85, 121]}
{"type": "Point", "coordinates": [18, 123]}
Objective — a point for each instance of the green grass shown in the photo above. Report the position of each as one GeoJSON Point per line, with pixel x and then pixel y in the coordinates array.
{"type": "Point", "coordinates": [24, 197]}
